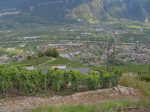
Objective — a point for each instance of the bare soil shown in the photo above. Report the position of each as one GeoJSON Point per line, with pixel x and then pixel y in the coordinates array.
{"type": "Point", "coordinates": [24, 103]}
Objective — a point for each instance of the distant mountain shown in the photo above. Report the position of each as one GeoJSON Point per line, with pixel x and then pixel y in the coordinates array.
{"type": "Point", "coordinates": [20, 12]}
{"type": "Point", "coordinates": [103, 10]}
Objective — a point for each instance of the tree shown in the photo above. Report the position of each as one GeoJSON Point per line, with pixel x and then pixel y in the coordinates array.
{"type": "Point", "coordinates": [29, 57]}
{"type": "Point", "coordinates": [41, 54]}
{"type": "Point", "coordinates": [52, 52]}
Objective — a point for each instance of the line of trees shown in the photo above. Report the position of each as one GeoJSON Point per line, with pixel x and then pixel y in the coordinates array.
{"type": "Point", "coordinates": [21, 81]}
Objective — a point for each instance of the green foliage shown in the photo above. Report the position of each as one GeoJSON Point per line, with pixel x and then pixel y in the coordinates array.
{"type": "Point", "coordinates": [58, 79]}
{"type": "Point", "coordinates": [105, 80]}
{"type": "Point", "coordinates": [135, 83]}
{"type": "Point", "coordinates": [29, 57]}
{"type": "Point", "coordinates": [75, 77]}
{"type": "Point", "coordinates": [115, 78]}
{"type": "Point", "coordinates": [5, 83]}
{"type": "Point", "coordinates": [64, 61]}
{"type": "Point", "coordinates": [108, 79]}
{"type": "Point", "coordinates": [92, 81]}
{"type": "Point", "coordinates": [135, 68]}
{"type": "Point", "coordinates": [144, 76]}
{"type": "Point", "coordinates": [16, 78]}
{"type": "Point", "coordinates": [52, 52]}
{"type": "Point", "coordinates": [66, 78]}
{"type": "Point", "coordinates": [41, 54]}
{"type": "Point", "coordinates": [32, 62]}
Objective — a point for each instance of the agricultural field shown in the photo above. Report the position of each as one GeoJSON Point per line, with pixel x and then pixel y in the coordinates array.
{"type": "Point", "coordinates": [33, 62]}
{"type": "Point", "coordinates": [133, 32]}
{"type": "Point", "coordinates": [63, 61]}
{"type": "Point", "coordinates": [51, 82]}
{"type": "Point", "coordinates": [135, 68]}
{"type": "Point", "coordinates": [40, 61]}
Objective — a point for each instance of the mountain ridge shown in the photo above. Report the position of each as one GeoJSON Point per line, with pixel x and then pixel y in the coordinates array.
{"type": "Point", "coordinates": [70, 11]}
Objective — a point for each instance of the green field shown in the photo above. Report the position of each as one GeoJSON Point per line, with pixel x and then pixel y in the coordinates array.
{"type": "Point", "coordinates": [32, 62]}
{"type": "Point", "coordinates": [49, 61]}
{"type": "Point", "coordinates": [133, 68]}
{"type": "Point", "coordinates": [63, 61]}
{"type": "Point", "coordinates": [127, 68]}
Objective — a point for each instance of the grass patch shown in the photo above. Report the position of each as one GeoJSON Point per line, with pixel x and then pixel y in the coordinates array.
{"type": "Point", "coordinates": [133, 68]}
{"type": "Point", "coordinates": [32, 62]}
{"type": "Point", "coordinates": [63, 61]}
{"type": "Point", "coordinates": [135, 83]}
{"type": "Point", "coordinates": [49, 61]}
{"type": "Point", "coordinates": [127, 68]}
{"type": "Point", "coordinates": [109, 106]}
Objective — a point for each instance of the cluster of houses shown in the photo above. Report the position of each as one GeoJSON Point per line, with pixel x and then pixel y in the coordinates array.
{"type": "Point", "coordinates": [92, 53]}
{"type": "Point", "coordinates": [4, 59]}
{"type": "Point", "coordinates": [81, 52]}
{"type": "Point", "coordinates": [135, 53]}
{"type": "Point", "coordinates": [96, 53]}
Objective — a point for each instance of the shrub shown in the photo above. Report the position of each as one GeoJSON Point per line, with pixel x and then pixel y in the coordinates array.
{"type": "Point", "coordinates": [144, 77]}
{"type": "Point", "coordinates": [92, 81]}
{"type": "Point", "coordinates": [105, 80]}
{"type": "Point", "coordinates": [127, 81]}
{"type": "Point", "coordinates": [75, 78]}
{"type": "Point", "coordinates": [135, 83]}
{"type": "Point", "coordinates": [114, 78]}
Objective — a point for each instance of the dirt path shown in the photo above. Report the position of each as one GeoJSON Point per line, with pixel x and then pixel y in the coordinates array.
{"type": "Point", "coordinates": [23, 104]}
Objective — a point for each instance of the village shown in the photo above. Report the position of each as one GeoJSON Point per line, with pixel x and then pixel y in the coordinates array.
{"type": "Point", "coordinates": [82, 44]}
{"type": "Point", "coordinates": [91, 53]}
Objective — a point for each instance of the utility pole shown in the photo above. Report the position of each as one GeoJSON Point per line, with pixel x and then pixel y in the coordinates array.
{"type": "Point", "coordinates": [110, 57]}
{"type": "Point", "coordinates": [37, 61]}
{"type": "Point", "coordinates": [45, 71]}
{"type": "Point", "coordinates": [130, 56]}
{"type": "Point", "coordinates": [114, 48]}
{"type": "Point", "coordinates": [107, 55]}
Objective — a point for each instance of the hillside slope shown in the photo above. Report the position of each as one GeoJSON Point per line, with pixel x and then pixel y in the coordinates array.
{"type": "Point", "coordinates": [104, 10]}
{"type": "Point", "coordinates": [70, 11]}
